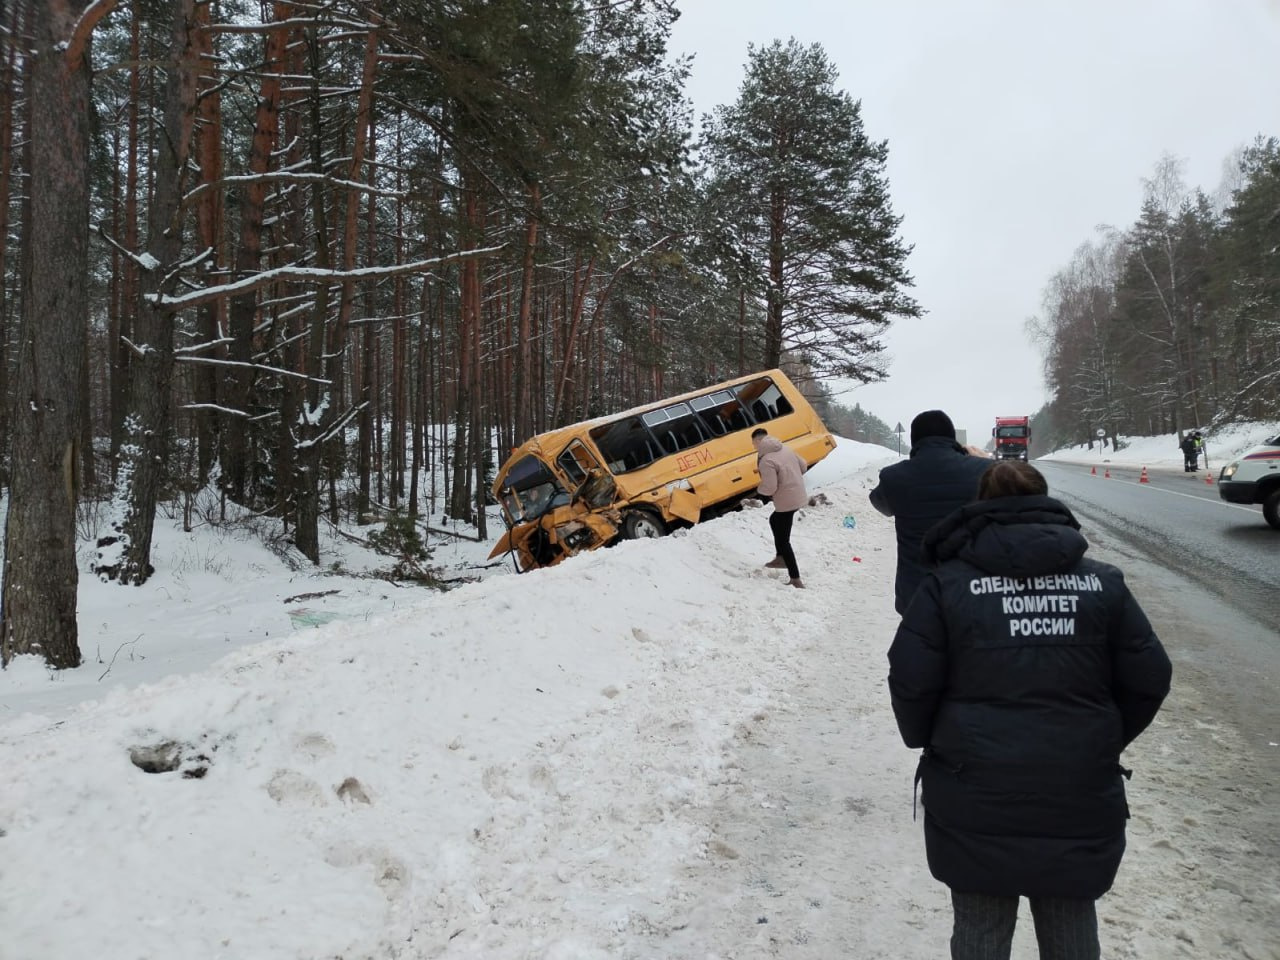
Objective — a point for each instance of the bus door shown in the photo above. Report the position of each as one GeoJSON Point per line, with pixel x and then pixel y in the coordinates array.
{"type": "Point", "coordinates": [589, 480]}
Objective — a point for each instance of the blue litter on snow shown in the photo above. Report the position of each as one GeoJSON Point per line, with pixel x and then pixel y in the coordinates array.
{"type": "Point", "coordinates": [302, 617]}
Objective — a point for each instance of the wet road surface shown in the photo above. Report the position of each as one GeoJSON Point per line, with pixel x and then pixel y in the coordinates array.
{"type": "Point", "coordinates": [1208, 575]}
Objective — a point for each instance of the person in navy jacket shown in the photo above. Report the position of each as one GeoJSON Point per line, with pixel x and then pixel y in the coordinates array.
{"type": "Point", "coordinates": [1023, 669]}
{"type": "Point", "coordinates": [940, 476]}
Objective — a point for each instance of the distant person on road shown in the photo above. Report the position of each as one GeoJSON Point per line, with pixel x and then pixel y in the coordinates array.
{"type": "Point", "coordinates": [1190, 453]}
{"type": "Point", "coordinates": [1023, 670]}
{"type": "Point", "coordinates": [939, 477]}
{"type": "Point", "coordinates": [782, 481]}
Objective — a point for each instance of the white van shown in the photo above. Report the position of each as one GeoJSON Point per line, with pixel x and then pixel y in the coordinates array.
{"type": "Point", "coordinates": [1255, 478]}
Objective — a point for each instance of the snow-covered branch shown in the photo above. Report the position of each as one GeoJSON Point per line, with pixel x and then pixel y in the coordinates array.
{"type": "Point", "coordinates": [313, 275]}
{"type": "Point", "coordinates": [201, 347]}
{"type": "Point", "coordinates": [187, 264]}
{"type": "Point", "coordinates": [251, 366]}
{"type": "Point", "coordinates": [144, 260]}
{"type": "Point", "coordinates": [294, 22]}
{"type": "Point", "coordinates": [216, 407]}
{"type": "Point", "coordinates": [335, 429]}
{"type": "Point", "coordinates": [288, 177]}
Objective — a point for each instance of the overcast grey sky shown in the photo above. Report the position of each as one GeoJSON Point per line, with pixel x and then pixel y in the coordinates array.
{"type": "Point", "coordinates": [1015, 128]}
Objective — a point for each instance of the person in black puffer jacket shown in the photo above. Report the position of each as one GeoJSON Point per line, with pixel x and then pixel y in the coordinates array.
{"type": "Point", "coordinates": [1023, 669]}
{"type": "Point", "coordinates": [940, 476]}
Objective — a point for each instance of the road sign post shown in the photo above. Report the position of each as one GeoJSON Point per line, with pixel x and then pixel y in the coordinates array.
{"type": "Point", "coordinates": [898, 431]}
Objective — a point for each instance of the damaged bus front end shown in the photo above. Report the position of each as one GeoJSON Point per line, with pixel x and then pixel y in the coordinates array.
{"type": "Point", "coordinates": [551, 515]}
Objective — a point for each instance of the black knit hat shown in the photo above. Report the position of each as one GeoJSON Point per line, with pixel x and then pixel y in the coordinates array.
{"type": "Point", "coordinates": [932, 423]}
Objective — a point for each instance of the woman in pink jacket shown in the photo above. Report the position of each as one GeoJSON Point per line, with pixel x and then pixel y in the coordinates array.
{"type": "Point", "coordinates": [782, 480]}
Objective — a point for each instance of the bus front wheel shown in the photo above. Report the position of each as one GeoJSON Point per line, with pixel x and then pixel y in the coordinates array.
{"type": "Point", "coordinates": [639, 524]}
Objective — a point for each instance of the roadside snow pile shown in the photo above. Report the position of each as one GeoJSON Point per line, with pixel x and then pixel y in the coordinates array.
{"type": "Point", "coordinates": [1220, 446]}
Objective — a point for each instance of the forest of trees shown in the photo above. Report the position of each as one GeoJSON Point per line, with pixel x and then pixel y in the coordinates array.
{"type": "Point", "coordinates": [332, 259]}
{"type": "Point", "coordinates": [1174, 323]}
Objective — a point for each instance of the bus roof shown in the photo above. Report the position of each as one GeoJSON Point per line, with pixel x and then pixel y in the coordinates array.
{"type": "Point", "coordinates": [552, 441]}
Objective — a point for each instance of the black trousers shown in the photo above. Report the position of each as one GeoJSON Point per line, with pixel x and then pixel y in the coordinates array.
{"type": "Point", "coordinates": [1066, 929]}
{"type": "Point", "coordinates": [780, 523]}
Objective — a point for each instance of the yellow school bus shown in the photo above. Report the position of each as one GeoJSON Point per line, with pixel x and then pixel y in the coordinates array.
{"type": "Point", "coordinates": [643, 472]}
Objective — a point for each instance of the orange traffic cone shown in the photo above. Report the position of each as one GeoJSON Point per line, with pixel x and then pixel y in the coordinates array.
{"type": "Point", "coordinates": [1093, 471]}
{"type": "Point", "coordinates": [1143, 478]}
{"type": "Point", "coordinates": [1106, 473]}
{"type": "Point", "coordinates": [1208, 478]}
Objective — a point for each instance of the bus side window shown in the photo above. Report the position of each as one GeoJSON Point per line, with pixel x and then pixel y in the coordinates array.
{"type": "Point", "coordinates": [572, 468]}
{"type": "Point", "coordinates": [784, 406]}
{"type": "Point", "coordinates": [760, 411]}
{"type": "Point", "coordinates": [691, 434]}
{"type": "Point", "coordinates": [738, 419]}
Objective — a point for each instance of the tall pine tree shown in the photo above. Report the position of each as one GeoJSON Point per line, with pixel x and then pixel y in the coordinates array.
{"type": "Point", "coordinates": [802, 195]}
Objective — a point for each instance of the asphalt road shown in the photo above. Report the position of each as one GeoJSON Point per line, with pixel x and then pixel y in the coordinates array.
{"type": "Point", "coordinates": [1179, 520]}
{"type": "Point", "coordinates": [1206, 572]}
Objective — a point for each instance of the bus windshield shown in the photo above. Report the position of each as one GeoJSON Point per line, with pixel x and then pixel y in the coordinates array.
{"type": "Point", "coordinates": [530, 490]}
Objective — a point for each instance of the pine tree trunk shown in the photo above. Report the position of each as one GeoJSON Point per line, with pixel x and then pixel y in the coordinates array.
{"type": "Point", "coordinates": [294, 352]}
{"type": "Point", "coordinates": [570, 345]}
{"type": "Point", "coordinates": [88, 468]}
{"type": "Point", "coordinates": [144, 453]}
{"type": "Point", "coordinates": [523, 392]}
{"type": "Point", "coordinates": [773, 322]}
{"type": "Point", "coordinates": [306, 477]}
{"type": "Point", "coordinates": [399, 332]}
{"type": "Point", "coordinates": [8, 107]}
{"type": "Point", "coordinates": [119, 354]}
{"type": "Point", "coordinates": [350, 241]}
{"type": "Point", "coordinates": [40, 574]}
{"type": "Point", "coordinates": [238, 380]}
{"type": "Point", "coordinates": [209, 234]}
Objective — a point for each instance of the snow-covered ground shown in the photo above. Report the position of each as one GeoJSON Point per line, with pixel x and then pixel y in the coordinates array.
{"type": "Point", "coordinates": [654, 751]}
{"type": "Point", "coordinates": [1220, 448]}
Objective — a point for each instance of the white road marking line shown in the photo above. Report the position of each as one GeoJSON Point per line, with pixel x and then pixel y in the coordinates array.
{"type": "Point", "coordinates": [1179, 493]}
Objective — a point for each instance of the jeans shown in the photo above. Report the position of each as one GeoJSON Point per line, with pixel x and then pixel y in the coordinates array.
{"type": "Point", "coordinates": [780, 523]}
{"type": "Point", "coordinates": [1066, 929]}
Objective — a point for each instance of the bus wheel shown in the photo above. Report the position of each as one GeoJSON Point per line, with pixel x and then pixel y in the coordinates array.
{"type": "Point", "coordinates": [639, 524]}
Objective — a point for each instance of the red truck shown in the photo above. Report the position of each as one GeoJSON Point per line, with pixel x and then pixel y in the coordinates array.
{"type": "Point", "coordinates": [1012, 436]}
